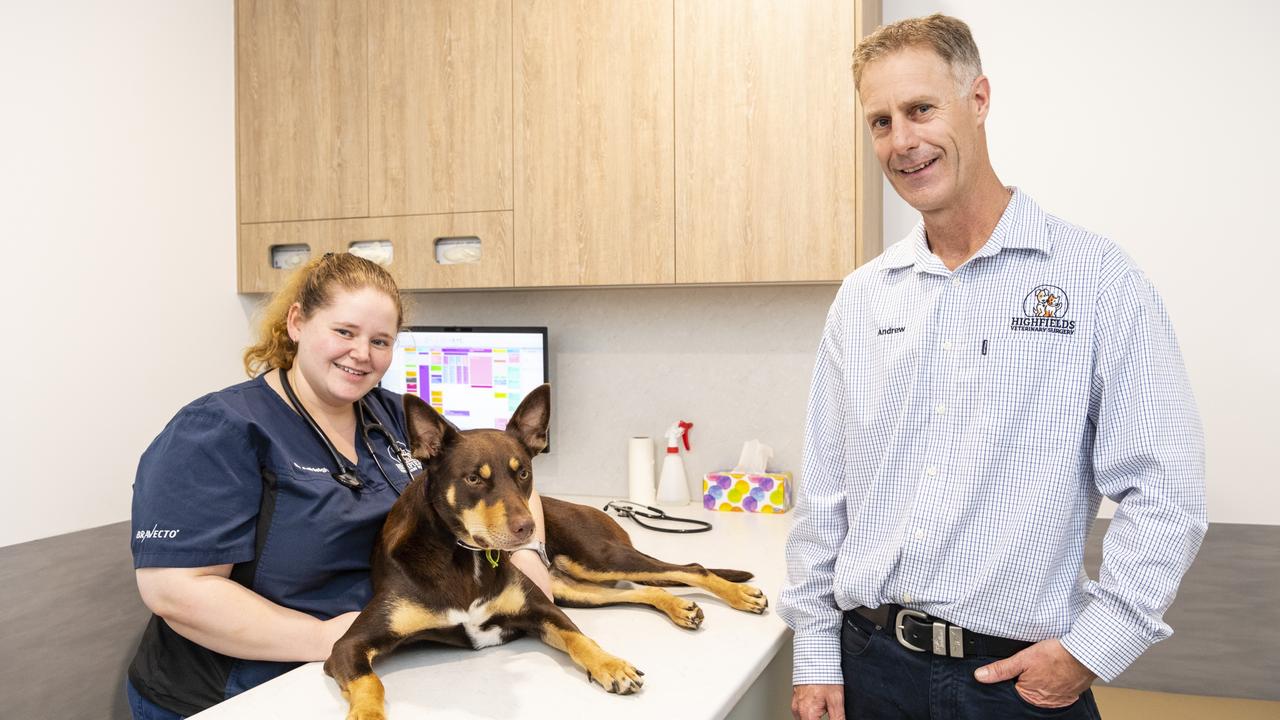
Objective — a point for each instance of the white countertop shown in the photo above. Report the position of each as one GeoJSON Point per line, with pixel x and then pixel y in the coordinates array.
{"type": "Point", "coordinates": [689, 675]}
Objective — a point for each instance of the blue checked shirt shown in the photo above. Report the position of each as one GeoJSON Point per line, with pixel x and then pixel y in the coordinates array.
{"type": "Point", "coordinates": [962, 428]}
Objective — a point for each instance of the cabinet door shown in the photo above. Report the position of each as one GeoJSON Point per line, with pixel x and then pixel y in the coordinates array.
{"type": "Point", "coordinates": [302, 109]}
{"type": "Point", "coordinates": [765, 134]}
{"type": "Point", "coordinates": [594, 185]}
{"type": "Point", "coordinates": [412, 237]}
{"type": "Point", "coordinates": [439, 106]}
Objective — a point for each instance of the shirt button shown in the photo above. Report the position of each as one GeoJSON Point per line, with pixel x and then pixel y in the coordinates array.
{"type": "Point", "coordinates": [946, 344]}
{"type": "Point", "coordinates": [955, 281]}
{"type": "Point", "coordinates": [932, 471]}
{"type": "Point", "coordinates": [906, 598]}
{"type": "Point", "coordinates": [919, 534]}
{"type": "Point", "coordinates": [940, 409]}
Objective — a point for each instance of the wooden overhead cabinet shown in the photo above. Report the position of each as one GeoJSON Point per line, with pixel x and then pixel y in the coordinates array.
{"type": "Point", "coordinates": [584, 142]}
{"type": "Point", "coordinates": [767, 138]}
{"type": "Point", "coordinates": [302, 110]}
{"type": "Point", "coordinates": [439, 106]}
{"type": "Point", "coordinates": [594, 144]}
{"type": "Point", "coordinates": [395, 111]}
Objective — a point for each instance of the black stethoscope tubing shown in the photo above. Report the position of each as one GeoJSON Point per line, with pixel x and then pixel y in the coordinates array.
{"type": "Point", "coordinates": [635, 511]}
{"type": "Point", "coordinates": [346, 475]}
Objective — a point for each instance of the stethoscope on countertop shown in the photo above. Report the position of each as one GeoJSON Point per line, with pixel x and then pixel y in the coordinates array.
{"type": "Point", "coordinates": [635, 511]}
{"type": "Point", "coordinates": [366, 422]}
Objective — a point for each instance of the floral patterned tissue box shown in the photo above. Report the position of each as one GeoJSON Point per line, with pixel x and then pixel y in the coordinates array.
{"type": "Point", "coordinates": [749, 492]}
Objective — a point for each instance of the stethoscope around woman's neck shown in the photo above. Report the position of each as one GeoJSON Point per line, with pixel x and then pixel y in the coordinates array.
{"type": "Point", "coordinates": [366, 422]}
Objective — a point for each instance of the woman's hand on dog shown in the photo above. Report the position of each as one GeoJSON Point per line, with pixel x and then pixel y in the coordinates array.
{"type": "Point", "coordinates": [331, 631]}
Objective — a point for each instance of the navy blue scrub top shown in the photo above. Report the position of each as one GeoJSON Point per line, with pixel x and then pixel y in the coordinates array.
{"type": "Point", "coordinates": [238, 477]}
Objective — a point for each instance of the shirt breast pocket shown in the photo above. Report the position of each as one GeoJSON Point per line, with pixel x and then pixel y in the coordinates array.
{"type": "Point", "coordinates": [1034, 389]}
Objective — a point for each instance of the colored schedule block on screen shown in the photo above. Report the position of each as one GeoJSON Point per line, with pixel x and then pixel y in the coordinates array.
{"type": "Point", "coordinates": [475, 378]}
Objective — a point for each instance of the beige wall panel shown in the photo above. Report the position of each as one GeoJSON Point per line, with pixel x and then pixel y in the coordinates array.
{"type": "Point", "coordinates": [413, 242]}
{"type": "Point", "coordinates": [593, 149]}
{"type": "Point", "coordinates": [302, 106]}
{"type": "Point", "coordinates": [764, 140]}
{"type": "Point", "coordinates": [869, 181]}
{"type": "Point", "coordinates": [439, 106]}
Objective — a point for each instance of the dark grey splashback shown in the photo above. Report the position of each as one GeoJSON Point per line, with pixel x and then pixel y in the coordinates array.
{"type": "Point", "coordinates": [1226, 618]}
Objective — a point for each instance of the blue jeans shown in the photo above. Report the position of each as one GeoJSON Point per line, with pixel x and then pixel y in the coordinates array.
{"type": "Point", "coordinates": [885, 681]}
{"type": "Point", "coordinates": [144, 709]}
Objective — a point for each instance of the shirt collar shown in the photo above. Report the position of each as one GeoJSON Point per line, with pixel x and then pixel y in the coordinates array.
{"type": "Point", "coordinates": [1021, 226]}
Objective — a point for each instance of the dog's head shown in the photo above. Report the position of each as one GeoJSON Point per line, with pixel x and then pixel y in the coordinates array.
{"type": "Point", "coordinates": [479, 481]}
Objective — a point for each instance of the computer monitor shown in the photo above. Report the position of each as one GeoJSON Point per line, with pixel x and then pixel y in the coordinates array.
{"type": "Point", "coordinates": [473, 376]}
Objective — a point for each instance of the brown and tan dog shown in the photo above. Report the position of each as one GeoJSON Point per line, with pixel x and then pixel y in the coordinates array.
{"type": "Point", "coordinates": [474, 492]}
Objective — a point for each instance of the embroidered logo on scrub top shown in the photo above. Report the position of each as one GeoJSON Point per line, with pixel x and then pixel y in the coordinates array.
{"type": "Point", "coordinates": [402, 451]}
{"type": "Point", "coordinates": [155, 532]}
{"type": "Point", "coordinates": [312, 469]}
{"type": "Point", "coordinates": [1044, 309]}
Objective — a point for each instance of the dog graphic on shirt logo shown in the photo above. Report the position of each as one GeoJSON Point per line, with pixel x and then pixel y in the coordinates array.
{"type": "Point", "coordinates": [1047, 304]}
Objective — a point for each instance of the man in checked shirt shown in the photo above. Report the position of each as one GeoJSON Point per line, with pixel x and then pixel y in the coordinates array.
{"type": "Point", "coordinates": [978, 388]}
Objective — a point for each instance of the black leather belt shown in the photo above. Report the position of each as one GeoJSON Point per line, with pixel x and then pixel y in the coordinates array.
{"type": "Point", "coordinates": [918, 631]}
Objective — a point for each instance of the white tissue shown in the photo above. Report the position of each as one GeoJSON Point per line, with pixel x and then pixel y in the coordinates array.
{"type": "Point", "coordinates": [754, 458]}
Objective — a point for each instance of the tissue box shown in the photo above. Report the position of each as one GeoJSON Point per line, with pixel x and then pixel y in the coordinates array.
{"type": "Point", "coordinates": [749, 492]}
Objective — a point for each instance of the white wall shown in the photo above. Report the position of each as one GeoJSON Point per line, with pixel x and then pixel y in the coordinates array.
{"type": "Point", "coordinates": [117, 189]}
{"type": "Point", "coordinates": [1152, 123]}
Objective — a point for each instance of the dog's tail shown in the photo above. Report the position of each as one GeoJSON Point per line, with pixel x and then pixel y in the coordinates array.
{"type": "Point", "coordinates": [730, 575]}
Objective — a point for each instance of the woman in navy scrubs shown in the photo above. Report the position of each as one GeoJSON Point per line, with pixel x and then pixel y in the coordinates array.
{"type": "Point", "coordinates": [251, 555]}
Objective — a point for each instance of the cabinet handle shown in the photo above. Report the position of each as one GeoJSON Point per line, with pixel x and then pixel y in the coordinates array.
{"type": "Point", "coordinates": [378, 251]}
{"type": "Point", "coordinates": [288, 257]}
{"type": "Point", "coordinates": [457, 250]}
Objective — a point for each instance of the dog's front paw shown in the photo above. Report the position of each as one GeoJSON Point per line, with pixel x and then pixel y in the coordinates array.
{"type": "Point", "coordinates": [748, 599]}
{"type": "Point", "coordinates": [684, 612]}
{"type": "Point", "coordinates": [616, 675]}
{"type": "Point", "coordinates": [366, 714]}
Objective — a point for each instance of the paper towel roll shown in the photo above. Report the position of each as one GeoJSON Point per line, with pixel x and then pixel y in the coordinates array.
{"type": "Point", "coordinates": [640, 487]}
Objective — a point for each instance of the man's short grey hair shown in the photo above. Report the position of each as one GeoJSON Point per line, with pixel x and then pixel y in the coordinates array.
{"type": "Point", "coordinates": [946, 36]}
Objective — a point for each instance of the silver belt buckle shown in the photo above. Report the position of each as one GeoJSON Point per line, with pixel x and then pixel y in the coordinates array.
{"type": "Point", "coordinates": [957, 642]}
{"type": "Point", "coordinates": [947, 640]}
{"type": "Point", "coordinates": [898, 628]}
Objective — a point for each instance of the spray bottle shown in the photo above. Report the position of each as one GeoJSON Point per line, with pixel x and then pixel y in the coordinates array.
{"type": "Point", "coordinates": [673, 487]}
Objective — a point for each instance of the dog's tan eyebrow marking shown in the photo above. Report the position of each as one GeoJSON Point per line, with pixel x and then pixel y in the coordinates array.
{"type": "Point", "coordinates": [485, 471]}
{"type": "Point", "coordinates": [514, 463]}
{"type": "Point", "coordinates": [408, 617]}
{"type": "Point", "coordinates": [451, 496]}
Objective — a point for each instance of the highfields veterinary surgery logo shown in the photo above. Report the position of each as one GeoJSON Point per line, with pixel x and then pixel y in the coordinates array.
{"type": "Point", "coordinates": [402, 451]}
{"type": "Point", "coordinates": [1044, 309]}
{"type": "Point", "coordinates": [155, 532]}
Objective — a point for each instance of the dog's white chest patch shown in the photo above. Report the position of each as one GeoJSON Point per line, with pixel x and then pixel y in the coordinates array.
{"type": "Point", "coordinates": [472, 619]}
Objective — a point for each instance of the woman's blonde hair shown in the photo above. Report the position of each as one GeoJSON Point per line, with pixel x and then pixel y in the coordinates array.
{"type": "Point", "coordinates": [311, 287]}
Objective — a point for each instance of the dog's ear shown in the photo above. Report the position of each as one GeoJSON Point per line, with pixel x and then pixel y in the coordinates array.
{"type": "Point", "coordinates": [529, 423]}
{"type": "Point", "coordinates": [428, 431]}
